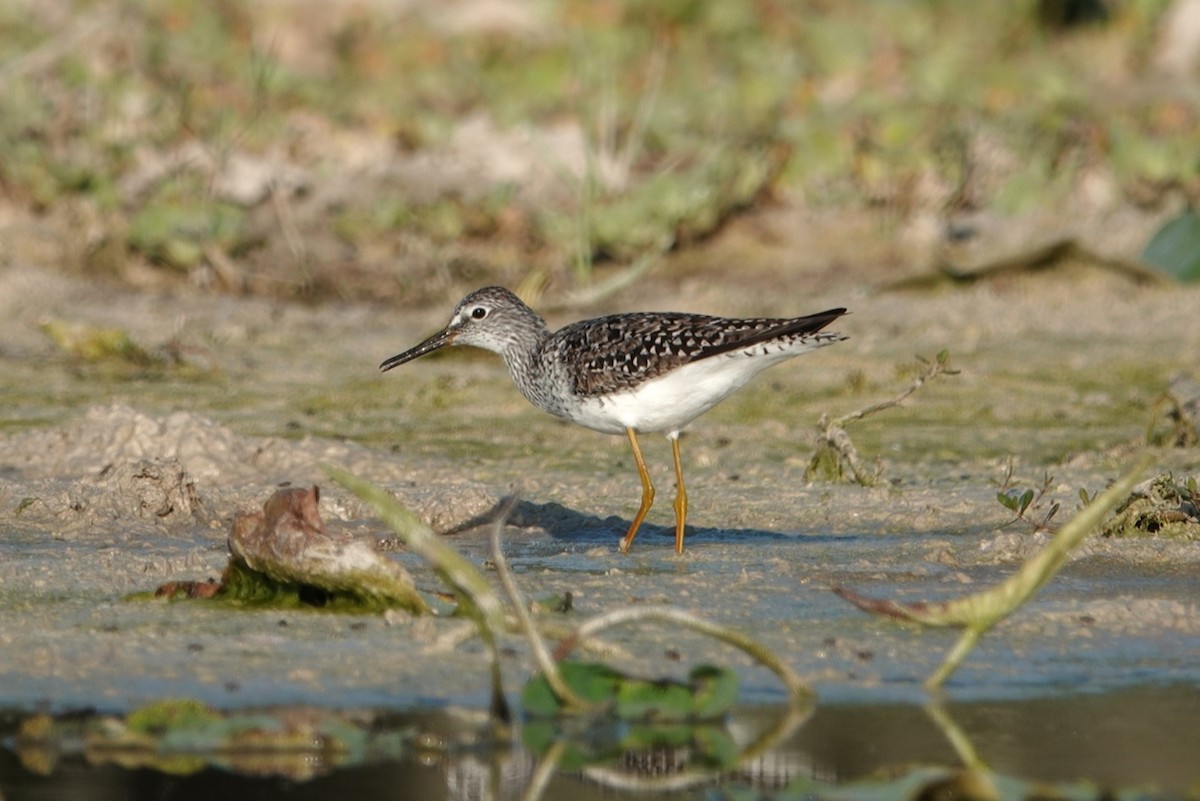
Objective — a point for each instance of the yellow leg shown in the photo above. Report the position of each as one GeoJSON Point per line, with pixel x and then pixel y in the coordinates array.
{"type": "Point", "coordinates": [647, 492]}
{"type": "Point", "coordinates": [680, 497]}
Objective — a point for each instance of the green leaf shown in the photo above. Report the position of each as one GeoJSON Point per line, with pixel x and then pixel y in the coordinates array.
{"type": "Point", "coordinates": [715, 748]}
{"type": "Point", "coordinates": [1175, 248]}
{"type": "Point", "coordinates": [707, 694]}
{"type": "Point", "coordinates": [638, 699]}
{"type": "Point", "coordinates": [656, 736]}
{"type": "Point", "coordinates": [594, 682]}
{"type": "Point", "coordinates": [715, 690]}
{"type": "Point", "coordinates": [537, 735]}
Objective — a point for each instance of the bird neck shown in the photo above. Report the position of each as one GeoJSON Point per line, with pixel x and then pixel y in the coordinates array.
{"type": "Point", "coordinates": [522, 354]}
{"type": "Point", "coordinates": [521, 349]}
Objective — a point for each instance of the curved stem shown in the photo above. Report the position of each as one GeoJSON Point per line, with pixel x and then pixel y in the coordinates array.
{"type": "Point", "coordinates": [795, 685]}
{"type": "Point", "coordinates": [541, 653]}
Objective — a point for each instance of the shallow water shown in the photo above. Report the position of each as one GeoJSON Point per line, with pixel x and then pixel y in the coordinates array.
{"type": "Point", "coordinates": [1073, 745]}
{"type": "Point", "coordinates": [1095, 680]}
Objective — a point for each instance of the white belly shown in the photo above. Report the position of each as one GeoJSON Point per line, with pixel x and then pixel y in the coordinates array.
{"type": "Point", "coordinates": [668, 403]}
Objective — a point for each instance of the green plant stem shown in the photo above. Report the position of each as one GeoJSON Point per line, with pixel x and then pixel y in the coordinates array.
{"type": "Point", "coordinates": [957, 654]}
{"type": "Point", "coordinates": [476, 598]}
{"type": "Point", "coordinates": [955, 736]}
{"type": "Point", "coordinates": [541, 653]}
{"type": "Point", "coordinates": [796, 686]}
{"type": "Point", "coordinates": [980, 612]}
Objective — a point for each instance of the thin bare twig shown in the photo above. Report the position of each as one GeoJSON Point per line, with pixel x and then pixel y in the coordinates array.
{"type": "Point", "coordinates": [835, 443]}
{"type": "Point", "coordinates": [939, 366]}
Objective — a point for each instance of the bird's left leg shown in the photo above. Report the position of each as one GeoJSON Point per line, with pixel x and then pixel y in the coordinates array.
{"type": "Point", "coordinates": [681, 501]}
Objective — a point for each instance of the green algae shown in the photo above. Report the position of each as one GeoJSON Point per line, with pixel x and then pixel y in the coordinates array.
{"type": "Point", "coordinates": [244, 588]}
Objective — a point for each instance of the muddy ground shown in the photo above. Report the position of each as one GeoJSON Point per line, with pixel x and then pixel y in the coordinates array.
{"type": "Point", "coordinates": [117, 478]}
{"type": "Point", "coordinates": [217, 219]}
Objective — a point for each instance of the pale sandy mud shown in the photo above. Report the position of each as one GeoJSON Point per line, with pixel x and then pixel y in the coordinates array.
{"type": "Point", "coordinates": [115, 482]}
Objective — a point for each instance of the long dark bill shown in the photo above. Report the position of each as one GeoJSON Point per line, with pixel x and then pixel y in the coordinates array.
{"type": "Point", "coordinates": [438, 340]}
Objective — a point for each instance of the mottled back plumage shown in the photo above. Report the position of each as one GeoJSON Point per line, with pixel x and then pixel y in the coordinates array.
{"type": "Point", "coordinates": [609, 354]}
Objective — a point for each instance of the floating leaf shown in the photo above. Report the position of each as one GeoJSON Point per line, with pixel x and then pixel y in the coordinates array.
{"type": "Point", "coordinates": [707, 694]}
{"type": "Point", "coordinates": [653, 700]}
{"type": "Point", "coordinates": [593, 682]}
{"type": "Point", "coordinates": [173, 713]}
{"type": "Point", "coordinates": [715, 747]}
{"type": "Point", "coordinates": [715, 690]}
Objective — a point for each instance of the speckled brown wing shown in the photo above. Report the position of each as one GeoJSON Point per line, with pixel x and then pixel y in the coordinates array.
{"type": "Point", "coordinates": [610, 354]}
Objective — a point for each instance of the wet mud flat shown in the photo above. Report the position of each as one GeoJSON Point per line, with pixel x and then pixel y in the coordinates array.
{"type": "Point", "coordinates": [114, 482]}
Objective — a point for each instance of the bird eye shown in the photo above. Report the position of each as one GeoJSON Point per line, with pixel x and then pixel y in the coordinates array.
{"type": "Point", "coordinates": [479, 312]}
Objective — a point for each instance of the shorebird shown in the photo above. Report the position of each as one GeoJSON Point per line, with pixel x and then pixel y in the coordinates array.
{"type": "Point", "coordinates": [627, 373]}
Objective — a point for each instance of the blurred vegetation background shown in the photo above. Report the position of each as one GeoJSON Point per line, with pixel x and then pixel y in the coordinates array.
{"type": "Point", "coordinates": [403, 150]}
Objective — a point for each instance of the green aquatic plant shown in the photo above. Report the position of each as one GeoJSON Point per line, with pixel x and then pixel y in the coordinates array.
{"type": "Point", "coordinates": [707, 694]}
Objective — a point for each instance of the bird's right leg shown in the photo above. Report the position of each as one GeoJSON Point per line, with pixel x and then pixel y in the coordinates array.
{"type": "Point", "coordinates": [647, 492]}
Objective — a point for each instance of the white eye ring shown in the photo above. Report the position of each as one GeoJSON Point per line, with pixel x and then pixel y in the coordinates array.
{"type": "Point", "coordinates": [479, 312]}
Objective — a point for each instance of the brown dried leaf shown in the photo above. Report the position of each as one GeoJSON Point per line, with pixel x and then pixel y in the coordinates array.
{"type": "Point", "coordinates": [287, 543]}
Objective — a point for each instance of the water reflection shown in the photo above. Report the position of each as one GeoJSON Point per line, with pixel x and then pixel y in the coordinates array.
{"type": "Point", "coordinates": [1081, 746]}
